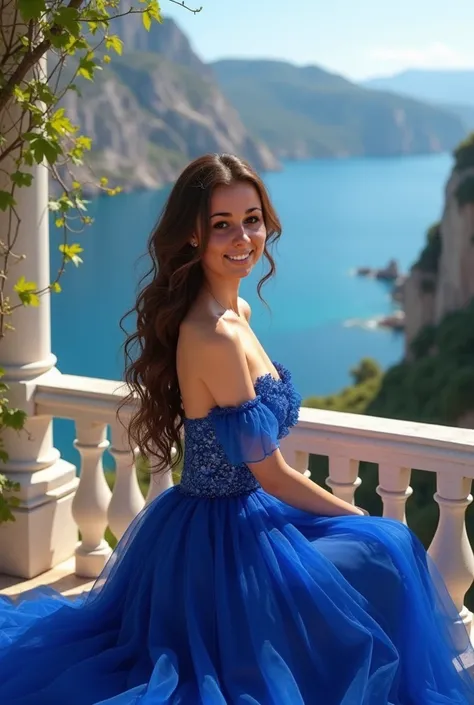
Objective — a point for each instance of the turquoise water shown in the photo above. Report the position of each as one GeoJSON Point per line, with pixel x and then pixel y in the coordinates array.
{"type": "Point", "coordinates": [336, 215]}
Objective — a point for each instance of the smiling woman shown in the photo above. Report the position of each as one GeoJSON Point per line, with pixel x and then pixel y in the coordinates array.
{"type": "Point", "coordinates": [237, 237]}
{"type": "Point", "coordinates": [247, 582]}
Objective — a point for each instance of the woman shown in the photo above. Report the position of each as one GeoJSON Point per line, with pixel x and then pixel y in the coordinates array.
{"type": "Point", "coordinates": [247, 583]}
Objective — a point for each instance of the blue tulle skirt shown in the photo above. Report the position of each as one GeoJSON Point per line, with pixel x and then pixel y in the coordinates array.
{"type": "Point", "coordinates": [241, 601]}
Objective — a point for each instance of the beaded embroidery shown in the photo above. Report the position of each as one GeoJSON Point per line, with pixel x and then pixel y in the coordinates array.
{"type": "Point", "coordinates": [207, 471]}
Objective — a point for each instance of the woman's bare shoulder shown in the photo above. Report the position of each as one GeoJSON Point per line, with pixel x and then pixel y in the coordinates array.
{"type": "Point", "coordinates": [214, 352]}
{"type": "Point", "coordinates": [244, 307]}
{"type": "Point", "coordinates": [204, 334]}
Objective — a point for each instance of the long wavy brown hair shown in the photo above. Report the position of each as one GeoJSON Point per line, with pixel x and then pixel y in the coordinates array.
{"type": "Point", "coordinates": [167, 291]}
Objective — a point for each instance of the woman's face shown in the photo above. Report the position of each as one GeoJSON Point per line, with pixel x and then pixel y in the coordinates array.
{"type": "Point", "coordinates": [237, 231]}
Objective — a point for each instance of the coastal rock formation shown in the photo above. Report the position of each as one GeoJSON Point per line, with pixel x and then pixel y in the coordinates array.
{"type": "Point", "coordinates": [442, 281]}
{"type": "Point", "coordinates": [418, 304]}
{"type": "Point", "coordinates": [455, 281]}
{"type": "Point", "coordinates": [154, 109]}
{"type": "Point", "coordinates": [389, 273]}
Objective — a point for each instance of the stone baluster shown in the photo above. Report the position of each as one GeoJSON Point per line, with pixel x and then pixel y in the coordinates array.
{"type": "Point", "coordinates": [90, 504]}
{"type": "Point", "coordinates": [343, 477]}
{"type": "Point", "coordinates": [394, 489]}
{"type": "Point", "coordinates": [302, 463]}
{"type": "Point", "coordinates": [450, 548]}
{"type": "Point", "coordinates": [127, 499]}
{"type": "Point", "coordinates": [297, 459]}
{"type": "Point", "coordinates": [160, 482]}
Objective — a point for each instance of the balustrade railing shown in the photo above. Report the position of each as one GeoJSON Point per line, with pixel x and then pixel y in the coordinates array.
{"type": "Point", "coordinates": [396, 446]}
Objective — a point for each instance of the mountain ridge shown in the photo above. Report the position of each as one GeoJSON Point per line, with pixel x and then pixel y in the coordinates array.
{"type": "Point", "coordinates": [439, 86]}
{"type": "Point", "coordinates": [316, 113]}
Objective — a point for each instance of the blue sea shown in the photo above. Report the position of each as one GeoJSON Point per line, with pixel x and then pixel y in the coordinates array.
{"type": "Point", "coordinates": [336, 215]}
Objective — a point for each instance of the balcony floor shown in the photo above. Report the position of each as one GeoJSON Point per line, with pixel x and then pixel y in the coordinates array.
{"type": "Point", "coordinates": [60, 578]}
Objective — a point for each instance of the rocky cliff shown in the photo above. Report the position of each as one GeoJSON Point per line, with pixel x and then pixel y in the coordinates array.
{"type": "Point", "coordinates": [154, 109]}
{"type": "Point", "coordinates": [434, 383]}
{"type": "Point", "coordinates": [442, 280]}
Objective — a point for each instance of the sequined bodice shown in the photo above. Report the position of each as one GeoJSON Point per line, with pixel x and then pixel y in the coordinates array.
{"type": "Point", "coordinates": [207, 471]}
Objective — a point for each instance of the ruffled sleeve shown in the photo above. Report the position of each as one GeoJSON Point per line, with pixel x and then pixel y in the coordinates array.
{"type": "Point", "coordinates": [248, 433]}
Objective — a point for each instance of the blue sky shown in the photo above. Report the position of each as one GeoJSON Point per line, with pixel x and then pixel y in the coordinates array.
{"type": "Point", "coordinates": [357, 38]}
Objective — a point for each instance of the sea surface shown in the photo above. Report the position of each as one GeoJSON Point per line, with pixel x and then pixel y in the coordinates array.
{"type": "Point", "coordinates": [336, 215]}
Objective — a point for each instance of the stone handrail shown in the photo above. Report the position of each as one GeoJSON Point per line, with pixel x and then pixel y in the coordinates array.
{"type": "Point", "coordinates": [396, 446]}
{"type": "Point", "coordinates": [92, 404]}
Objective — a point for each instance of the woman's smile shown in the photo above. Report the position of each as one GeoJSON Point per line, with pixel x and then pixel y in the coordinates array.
{"type": "Point", "coordinates": [240, 258]}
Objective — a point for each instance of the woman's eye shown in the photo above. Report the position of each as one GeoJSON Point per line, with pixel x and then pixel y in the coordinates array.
{"type": "Point", "coordinates": [223, 224]}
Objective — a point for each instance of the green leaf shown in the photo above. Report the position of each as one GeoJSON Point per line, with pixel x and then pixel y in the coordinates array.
{"type": "Point", "coordinates": [5, 512]}
{"type": "Point", "coordinates": [6, 200]}
{"type": "Point", "coordinates": [67, 17]}
{"type": "Point", "coordinates": [146, 19]}
{"type": "Point", "coordinates": [44, 93]}
{"type": "Point", "coordinates": [154, 10]}
{"type": "Point", "coordinates": [114, 42]}
{"type": "Point", "coordinates": [31, 9]}
{"type": "Point", "coordinates": [43, 148]}
{"type": "Point", "coordinates": [56, 287]}
{"type": "Point", "coordinates": [21, 178]}
{"type": "Point", "coordinates": [14, 418]}
{"type": "Point", "coordinates": [65, 204]}
{"type": "Point", "coordinates": [71, 253]}
{"type": "Point", "coordinates": [84, 142]}
{"type": "Point", "coordinates": [27, 292]}
{"type": "Point", "coordinates": [61, 123]}
{"type": "Point", "coordinates": [59, 41]}
{"type": "Point", "coordinates": [87, 66]}
{"type": "Point", "coordinates": [19, 95]}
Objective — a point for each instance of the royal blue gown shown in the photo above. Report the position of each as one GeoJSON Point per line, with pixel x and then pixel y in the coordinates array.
{"type": "Point", "coordinates": [221, 594]}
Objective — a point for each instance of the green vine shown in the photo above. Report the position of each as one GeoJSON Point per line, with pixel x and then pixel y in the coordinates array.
{"type": "Point", "coordinates": [36, 130]}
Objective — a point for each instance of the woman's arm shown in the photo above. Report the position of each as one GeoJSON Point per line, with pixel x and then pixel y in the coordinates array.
{"type": "Point", "coordinates": [223, 369]}
{"type": "Point", "coordinates": [282, 481]}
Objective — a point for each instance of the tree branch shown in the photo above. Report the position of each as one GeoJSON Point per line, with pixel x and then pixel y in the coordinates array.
{"type": "Point", "coordinates": [182, 4]}
{"type": "Point", "coordinates": [30, 60]}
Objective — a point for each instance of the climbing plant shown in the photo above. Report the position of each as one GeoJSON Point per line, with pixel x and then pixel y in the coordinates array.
{"type": "Point", "coordinates": [77, 38]}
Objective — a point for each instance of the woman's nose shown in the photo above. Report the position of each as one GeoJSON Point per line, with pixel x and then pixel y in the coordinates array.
{"type": "Point", "coordinates": [241, 234]}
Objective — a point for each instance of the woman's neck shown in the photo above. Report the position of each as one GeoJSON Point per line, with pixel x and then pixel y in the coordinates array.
{"type": "Point", "coordinates": [224, 293]}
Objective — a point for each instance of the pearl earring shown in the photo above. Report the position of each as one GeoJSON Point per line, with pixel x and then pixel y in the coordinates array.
{"type": "Point", "coordinates": [194, 244]}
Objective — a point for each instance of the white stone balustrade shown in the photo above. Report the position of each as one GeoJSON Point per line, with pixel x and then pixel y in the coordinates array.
{"type": "Point", "coordinates": [92, 404]}
{"type": "Point", "coordinates": [396, 446]}
{"type": "Point", "coordinates": [394, 488]}
{"type": "Point", "coordinates": [343, 477]}
{"type": "Point", "coordinates": [127, 499]}
{"type": "Point", "coordinates": [92, 499]}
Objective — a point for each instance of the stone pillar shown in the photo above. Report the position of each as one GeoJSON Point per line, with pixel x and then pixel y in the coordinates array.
{"type": "Point", "coordinates": [44, 532]}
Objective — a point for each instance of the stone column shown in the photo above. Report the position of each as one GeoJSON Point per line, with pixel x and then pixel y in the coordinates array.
{"type": "Point", "coordinates": [44, 532]}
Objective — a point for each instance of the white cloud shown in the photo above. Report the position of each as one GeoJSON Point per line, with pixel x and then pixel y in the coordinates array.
{"type": "Point", "coordinates": [435, 55]}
